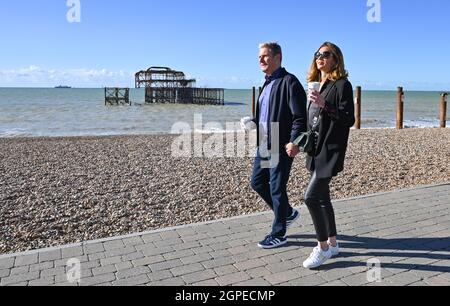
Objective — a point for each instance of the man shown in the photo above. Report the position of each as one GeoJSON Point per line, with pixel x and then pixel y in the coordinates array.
{"type": "Point", "coordinates": [280, 118]}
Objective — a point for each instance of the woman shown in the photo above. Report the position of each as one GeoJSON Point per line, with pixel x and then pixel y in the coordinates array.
{"type": "Point", "coordinates": [331, 113]}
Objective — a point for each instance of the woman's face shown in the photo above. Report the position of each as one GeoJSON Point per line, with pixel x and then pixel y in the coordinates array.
{"type": "Point", "coordinates": [325, 60]}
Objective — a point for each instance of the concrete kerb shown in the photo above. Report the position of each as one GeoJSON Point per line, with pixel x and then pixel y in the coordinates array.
{"type": "Point", "coordinates": [103, 240]}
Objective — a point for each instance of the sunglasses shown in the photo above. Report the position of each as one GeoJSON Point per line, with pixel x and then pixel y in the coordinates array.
{"type": "Point", "coordinates": [325, 55]}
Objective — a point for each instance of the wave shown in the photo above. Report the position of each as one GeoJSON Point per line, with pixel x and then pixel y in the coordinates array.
{"type": "Point", "coordinates": [14, 133]}
{"type": "Point", "coordinates": [421, 123]}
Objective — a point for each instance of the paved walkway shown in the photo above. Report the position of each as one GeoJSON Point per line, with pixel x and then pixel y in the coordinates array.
{"type": "Point", "coordinates": [408, 231]}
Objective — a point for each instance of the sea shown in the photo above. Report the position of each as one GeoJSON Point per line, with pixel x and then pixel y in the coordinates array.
{"type": "Point", "coordinates": [55, 112]}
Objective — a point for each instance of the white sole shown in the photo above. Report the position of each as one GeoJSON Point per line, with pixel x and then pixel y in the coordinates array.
{"type": "Point", "coordinates": [272, 247]}
{"type": "Point", "coordinates": [314, 267]}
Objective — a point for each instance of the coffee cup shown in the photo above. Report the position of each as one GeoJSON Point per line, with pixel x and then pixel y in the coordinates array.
{"type": "Point", "coordinates": [313, 86]}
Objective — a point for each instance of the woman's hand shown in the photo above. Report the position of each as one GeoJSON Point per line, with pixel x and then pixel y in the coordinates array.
{"type": "Point", "coordinates": [292, 150]}
{"type": "Point", "coordinates": [316, 98]}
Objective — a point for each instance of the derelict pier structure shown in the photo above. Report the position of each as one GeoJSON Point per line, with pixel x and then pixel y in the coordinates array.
{"type": "Point", "coordinates": [164, 85]}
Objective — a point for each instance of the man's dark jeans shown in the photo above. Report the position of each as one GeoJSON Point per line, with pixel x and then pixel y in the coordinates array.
{"type": "Point", "coordinates": [271, 185]}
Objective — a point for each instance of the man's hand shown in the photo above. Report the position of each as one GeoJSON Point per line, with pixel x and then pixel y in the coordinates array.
{"type": "Point", "coordinates": [292, 150]}
{"type": "Point", "coordinates": [247, 124]}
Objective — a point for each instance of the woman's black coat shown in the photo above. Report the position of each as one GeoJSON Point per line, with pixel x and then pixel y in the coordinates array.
{"type": "Point", "coordinates": [334, 130]}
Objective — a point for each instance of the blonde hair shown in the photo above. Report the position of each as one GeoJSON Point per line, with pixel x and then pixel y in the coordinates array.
{"type": "Point", "coordinates": [337, 73]}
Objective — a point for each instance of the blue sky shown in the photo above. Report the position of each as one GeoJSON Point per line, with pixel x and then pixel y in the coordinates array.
{"type": "Point", "coordinates": [216, 41]}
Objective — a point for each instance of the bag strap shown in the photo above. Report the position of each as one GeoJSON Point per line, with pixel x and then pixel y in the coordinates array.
{"type": "Point", "coordinates": [319, 114]}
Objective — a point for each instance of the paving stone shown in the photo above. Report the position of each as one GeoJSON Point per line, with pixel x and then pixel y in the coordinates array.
{"type": "Point", "coordinates": [186, 246]}
{"type": "Point", "coordinates": [311, 280]}
{"type": "Point", "coordinates": [133, 241]}
{"type": "Point", "coordinates": [258, 272]}
{"type": "Point", "coordinates": [178, 254]}
{"type": "Point", "coordinates": [50, 255]}
{"type": "Point", "coordinates": [20, 270]}
{"type": "Point", "coordinates": [206, 283]}
{"type": "Point", "coordinates": [41, 282]}
{"type": "Point", "coordinates": [233, 278]}
{"type": "Point", "coordinates": [335, 283]}
{"type": "Point", "coordinates": [114, 244]}
{"type": "Point", "coordinates": [110, 260]}
{"type": "Point", "coordinates": [202, 250]}
{"type": "Point", "coordinates": [151, 237]}
{"type": "Point", "coordinates": [19, 279]}
{"type": "Point", "coordinates": [170, 282]}
{"type": "Point", "coordinates": [132, 256]}
{"type": "Point", "coordinates": [26, 260]}
{"type": "Point", "coordinates": [104, 270]}
{"type": "Point", "coordinates": [166, 265]}
{"type": "Point", "coordinates": [93, 248]}
{"type": "Point", "coordinates": [7, 263]}
{"type": "Point", "coordinates": [41, 266]}
{"type": "Point", "coordinates": [256, 282]}
{"type": "Point", "coordinates": [5, 273]}
{"type": "Point", "coordinates": [96, 256]}
{"type": "Point", "coordinates": [439, 280]}
{"type": "Point", "coordinates": [159, 275]}
{"type": "Point", "coordinates": [72, 252]}
{"type": "Point", "coordinates": [153, 251]}
{"type": "Point", "coordinates": [133, 272]}
{"type": "Point", "coordinates": [124, 265]}
{"type": "Point", "coordinates": [120, 251]}
{"type": "Point", "coordinates": [187, 269]}
{"type": "Point", "coordinates": [165, 243]}
{"type": "Point", "coordinates": [100, 279]}
{"type": "Point", "coordinates": [335, 274]}
{"type": "Point", "coordinates": [283, 277]}
{"type": "Point", "coordinates": [403, 279]}
{"type": "Point", "coordinates": [225, 270]}
{"type": "Point", "coordinates": [196, 258]}
{"type": "Point", "coordinates": [169, 235]}
{"type": "Point", "coordinates": [147, 261]}
{"type": "Point", "coordinates": [132, 281]}
{"type": "Point", "coordinates": [356, 279]}
{"type": "Point", "coordinates": [281, 266]}
{"type": "Point", "coordinates": [219, 262]}
{"type": "Point", "coordinates": [21, 284]}
{"type": "Point", "coordinates": [199, 276]}
{"type": "Point", "coordinates": [53, 272]}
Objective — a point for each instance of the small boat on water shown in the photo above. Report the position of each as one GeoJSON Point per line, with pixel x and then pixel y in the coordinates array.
{"type": "Point", "coordinates": [62, 86]}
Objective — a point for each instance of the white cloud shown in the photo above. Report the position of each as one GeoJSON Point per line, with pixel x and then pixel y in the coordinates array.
{"type": "Point", "coordinates": [35, 76]}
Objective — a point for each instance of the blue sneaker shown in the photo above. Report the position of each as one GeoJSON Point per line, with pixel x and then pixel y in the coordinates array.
{"type": "Point", "coordinates": [271, 242]}
{"type": "Point", "coordinates": [294, 217]}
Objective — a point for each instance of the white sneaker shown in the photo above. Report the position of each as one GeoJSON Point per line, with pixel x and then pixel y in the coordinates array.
{"type": "Point", "coordinates": [334, 250]}
{"type": "Point", "coordinates": [317, 258]}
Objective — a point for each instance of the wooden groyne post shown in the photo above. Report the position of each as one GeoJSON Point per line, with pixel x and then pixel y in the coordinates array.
{"type": "Point", "coordinates": [358, 108]}
{"type": "Point", "coordinates": [443, 110]}
{"type": "Point", "coordinates": [400, 107]}
{"type": "Point", "coordinates": [254, 102]}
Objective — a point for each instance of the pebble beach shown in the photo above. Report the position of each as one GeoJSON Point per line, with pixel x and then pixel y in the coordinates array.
{"type": "Point", "coordinates": [56, 191]}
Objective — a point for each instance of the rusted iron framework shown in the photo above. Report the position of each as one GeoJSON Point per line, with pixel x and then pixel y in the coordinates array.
{"type": "Point", "coordinates": [164, 85]}
{"type": "Point", "coordinates": [117, 96]}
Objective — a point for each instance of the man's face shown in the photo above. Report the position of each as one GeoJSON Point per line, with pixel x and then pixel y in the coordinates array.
{"type": "Point", "coordinates": [267, 62]}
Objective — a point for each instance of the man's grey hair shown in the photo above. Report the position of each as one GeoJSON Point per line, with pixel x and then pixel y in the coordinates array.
{"type": "Point", "coordinates": [274, 48]}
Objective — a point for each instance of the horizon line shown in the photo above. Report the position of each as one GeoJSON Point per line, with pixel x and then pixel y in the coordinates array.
{"type": "Point", "coordinates": [103, 87]}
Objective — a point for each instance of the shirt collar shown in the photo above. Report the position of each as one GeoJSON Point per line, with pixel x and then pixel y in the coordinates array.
{"type": "Point", "coordinates": [275, 75]}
